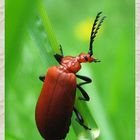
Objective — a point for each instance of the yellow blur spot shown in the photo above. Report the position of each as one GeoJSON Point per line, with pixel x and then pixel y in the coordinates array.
{"type": "Point", "coordinates": [83, 29]}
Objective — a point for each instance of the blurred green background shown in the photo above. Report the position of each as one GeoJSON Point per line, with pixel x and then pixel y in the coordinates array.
{"type": "Point", "coordinates": [31, 40]}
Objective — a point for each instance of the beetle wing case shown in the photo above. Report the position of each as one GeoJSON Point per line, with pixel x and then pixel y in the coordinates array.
{"type": "Point", "coordinates": [55, 104]}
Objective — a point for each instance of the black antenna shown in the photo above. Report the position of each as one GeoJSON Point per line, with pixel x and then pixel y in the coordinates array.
{"type": "Point", "coordinates": [94, 31]}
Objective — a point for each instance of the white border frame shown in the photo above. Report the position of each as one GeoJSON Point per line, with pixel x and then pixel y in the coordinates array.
{"type": "Point", "coordinates": [137, 52]}
{"type": "Point", "coordinates": [2, 70]}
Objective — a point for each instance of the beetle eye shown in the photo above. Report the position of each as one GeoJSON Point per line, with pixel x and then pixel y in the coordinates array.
{"type": "Point", "coordinates": [85, 57]}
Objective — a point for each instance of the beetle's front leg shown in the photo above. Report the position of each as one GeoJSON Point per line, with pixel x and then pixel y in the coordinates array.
{"type": "Point", "coordinates": [86, 79]}
{"type": "Point", "coordinates": [42, 78]}
{"type": "Point", "coordinates": [59, 57]}
{"type": "Point", "coordinates": [61, 50]}
{"type": "Point", "coordinates": [80, 119]}
{"type": "Point", "coordinates": [84, 93]}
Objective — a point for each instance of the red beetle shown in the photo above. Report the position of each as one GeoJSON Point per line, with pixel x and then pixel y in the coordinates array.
{"type": "Point", "coordinates": [56, 101]}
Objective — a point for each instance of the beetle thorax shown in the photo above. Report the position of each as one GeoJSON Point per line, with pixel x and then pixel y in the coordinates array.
{"type": "Point", "coordinates": [71, 64]}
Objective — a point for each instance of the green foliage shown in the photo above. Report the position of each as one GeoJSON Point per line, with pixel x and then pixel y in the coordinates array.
{"type": "Point", "coordinates": [31, 43]}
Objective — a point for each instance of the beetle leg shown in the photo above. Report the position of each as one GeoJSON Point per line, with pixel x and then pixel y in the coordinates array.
{"type": "Point", "coordinates": [42, 78]}
{"type": "Point", "coordinates": [61, 50]}
{"type": "Point", "coordinates": [84, 93]}
{"type": "Point", "coordinates": [59, 57]}
{"type": "Point", "coordinates": [80, 119]}
{"type": "Point", "coordinates": [86, 79]}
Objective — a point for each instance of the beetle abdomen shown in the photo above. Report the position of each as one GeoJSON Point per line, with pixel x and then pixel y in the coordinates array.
{"type": "Point", "coordinates": [55, 104]}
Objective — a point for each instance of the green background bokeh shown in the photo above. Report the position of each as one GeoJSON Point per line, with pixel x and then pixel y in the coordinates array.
{"type": "Point", "coordinates": [31, 43]}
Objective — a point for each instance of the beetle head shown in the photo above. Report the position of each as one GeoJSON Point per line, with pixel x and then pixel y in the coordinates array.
{"type": "Point", "coordinates": [83, 57]}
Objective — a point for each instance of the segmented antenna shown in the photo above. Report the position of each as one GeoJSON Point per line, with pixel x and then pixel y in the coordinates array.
{"type": "Point", "coordinates": [94, 31]}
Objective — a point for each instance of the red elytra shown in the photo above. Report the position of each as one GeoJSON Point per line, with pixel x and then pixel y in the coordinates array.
{"type": "Point", "coordinates": [56, 101]}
